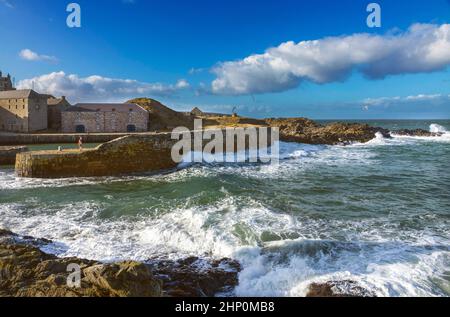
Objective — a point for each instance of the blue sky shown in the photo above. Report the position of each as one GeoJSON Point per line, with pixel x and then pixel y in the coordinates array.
{"type": "Point", "coordinates": [193, 53]}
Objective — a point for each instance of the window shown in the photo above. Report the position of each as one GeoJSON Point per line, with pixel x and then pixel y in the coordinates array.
{"type": "Point", "coordinates": [131, 128]}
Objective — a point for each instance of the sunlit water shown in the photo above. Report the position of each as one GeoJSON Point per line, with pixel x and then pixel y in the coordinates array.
{"type": "Point", "coordinates": [377, 213]}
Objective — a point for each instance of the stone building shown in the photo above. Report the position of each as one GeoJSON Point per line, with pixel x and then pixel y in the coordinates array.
{"type": "Point", "coordinates": [198, 113]}
{"type": "Point", "coordinates": [55, 107]}
{"type": "Point", "coordinates": [105, 117]}
{"type": "Point", "coordinates": [5, 82]}
{"type": "Point", "coordinates": [23, 111]}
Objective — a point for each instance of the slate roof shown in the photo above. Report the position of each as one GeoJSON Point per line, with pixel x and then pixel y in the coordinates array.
{"type": "Point", "coordinates": [106, 107]}
{"type": "Point", "coordinates": [17, 94]}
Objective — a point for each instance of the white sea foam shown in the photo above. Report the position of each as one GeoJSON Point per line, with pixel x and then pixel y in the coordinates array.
{"type": "Point", "coordinates": [384, 256]}
{"type": "Point", "coordinates": [436, 128]}
{"type": "Point", "coordinates": [379, 260]}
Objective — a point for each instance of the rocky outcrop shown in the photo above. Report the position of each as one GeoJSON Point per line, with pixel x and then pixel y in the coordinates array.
{"type": "Point", "coordinates": [416, 132]}
{"type": "Point", "coordinates": [26, 271]}
{"type": "Point", "coordinates": [195, 277]}
{"type": "Point", "coordinates": [8, 154]}
{"type": "Point", "coordinates": [338, 289]}
{"type": "Point", "coordinates": [303, 130]}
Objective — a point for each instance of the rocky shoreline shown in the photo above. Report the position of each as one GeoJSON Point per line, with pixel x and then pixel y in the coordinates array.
{"type": "Point", "coordinates": [27, 271]}
{"type": "Point", "coordinates": [303, 130]}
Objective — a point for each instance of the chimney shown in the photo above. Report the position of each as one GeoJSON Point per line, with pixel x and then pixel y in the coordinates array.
{"type": "Point", "coordinates": [63, 98]}
{"type": "Point", "coordinates": [0, 73]}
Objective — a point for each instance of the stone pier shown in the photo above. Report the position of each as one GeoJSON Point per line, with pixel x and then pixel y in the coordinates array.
{"type": "Point", "coordinates": [8, 154]}
{"type": "Point", "coordinates": [125, 155]}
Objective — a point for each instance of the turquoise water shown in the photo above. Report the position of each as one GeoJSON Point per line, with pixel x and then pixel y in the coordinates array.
{"type": "Point", "coordinates": [377, 213]}
{"type": "Point", "coordinates": [64, 146]}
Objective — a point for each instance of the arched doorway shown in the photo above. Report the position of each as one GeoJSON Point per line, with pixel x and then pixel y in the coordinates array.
{"type": "Point", "coordinates": [80, 128]}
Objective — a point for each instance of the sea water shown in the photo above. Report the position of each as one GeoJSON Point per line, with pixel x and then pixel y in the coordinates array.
{"type": "Point", "coordinates": [376, 213]}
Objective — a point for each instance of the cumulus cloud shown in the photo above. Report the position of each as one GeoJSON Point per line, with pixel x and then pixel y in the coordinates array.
{"type": "Point", "coordinates": [97, 88]}
{"type": "Point", "coordinates": [422, 48]}
{"type": "Point", "coordinates": [29, 55]}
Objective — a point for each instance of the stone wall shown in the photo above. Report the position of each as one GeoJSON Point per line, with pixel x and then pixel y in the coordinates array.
{"type": "Point", "coordinates": [37, 113]}
{"type": "Point", "coordinates": [14, 115]}
{"type": "Point", "coordinates": [26, 139]}
{"type": "Point", "coordinates": [104, 121]}
{"type": "Point", "coordinates": [8, 154]}
{"type": "Point", "coordinates": [23, 114]}
{"type": "Point", "coordinates": [129, 154]}
{"type": "Point", "coordinates": [54, 116]}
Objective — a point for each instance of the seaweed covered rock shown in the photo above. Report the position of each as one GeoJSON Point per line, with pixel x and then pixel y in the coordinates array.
{"type": "Point", "coordinates": [416, 132]}
{"type": "Point", "coordinates": [303, 130]}
{"type": "Point", "coordinates": [26, 271]}
{"type": "Point", "coordinates": [338, 289]}
{"type": "Point", "coordinates": [195, 277]}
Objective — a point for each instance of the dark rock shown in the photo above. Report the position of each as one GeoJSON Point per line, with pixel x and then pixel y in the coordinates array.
{"type": "Point", "coordinates": [307, 131]}
{"type": "Point", "coordinates": [7, 233]}
{"type": "Point", "coordinates": [194, 277]}
{"type": "Point", "coordinates": [26, 271]}
{"type": "Point", "coordinates": [7, 236]}
{"type": "Point", "coordinates": [416, 132]}
{"type": "Point", "coordinates": [338, 289]}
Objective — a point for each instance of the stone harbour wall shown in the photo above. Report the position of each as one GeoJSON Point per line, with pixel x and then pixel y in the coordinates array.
{"type": "Point", "coordinates": [27, 139]}
{"type": "Point", "coordinates": [8, 154]}
{"type": "Point", "coordinates": [125, 155]}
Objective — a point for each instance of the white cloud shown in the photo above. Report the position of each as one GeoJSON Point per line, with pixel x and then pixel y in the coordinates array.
{"type": "Point", "coordinates": [194, 70]}
{"type": "Point", "coordinates": [423, 48]}
{"type": "Point", "coordinates": [182, 84]}
{"type": "Point", "coordinates": [29, 55]}
{"type": "Point", "coordinates": [242, 109]}
{"type": "Point", "coordinates": [97, 88]}
{"type": "Point", "coordinates": [7, 4]}
{"type": "Point", "coordinates": [413, 99]}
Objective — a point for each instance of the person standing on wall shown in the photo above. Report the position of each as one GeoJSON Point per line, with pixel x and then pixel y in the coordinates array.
{"type": "Point", "coordinates": [80, 143]}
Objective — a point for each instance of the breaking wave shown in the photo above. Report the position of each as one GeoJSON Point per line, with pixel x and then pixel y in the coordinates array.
{"type": "Point", "coordinates": [281, 253]}
{"type": "Point", "coordinates": [436, 128]}
{"type": "Point", "coordinates": [323, 213]}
